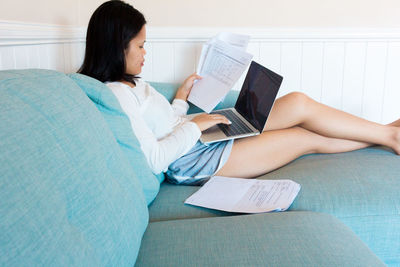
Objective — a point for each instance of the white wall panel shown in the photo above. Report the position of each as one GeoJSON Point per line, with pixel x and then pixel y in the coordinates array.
{"type": "Point", "coordinates": [76, 52]}
{"type": "Point", "coordinates": [374, 84]}
{"type": "Point", "coordinates": [254, 49]}
{"type": "Point", "coordinates": [311, 79]}
{"type": "Point", "coordinates": [163, 62]}
{"type": "Point", "coordinates": [33, 56]}
{"type": "Point", "coordinates": [332, 74]}
{"type": "Point", "coordinates": [56, 57]}
{"type": "Point", "coordinates": [270, 55]}
{"type": "Point", "coordinates": [68, 54]}
{"type": "Point", "coordinates": [198, 46]}
{"type": "Point", "coordinates": [354, 74]}
{"type": "Point", "coordinates": [44, 57]}
{"type": "Point", "coordinates": [21, 57]}
{"type": "Point", "coordinates": [185, 60]}
{"type": "Point", "coordinates": [391, 97]}
{"type": "Point", "coordinates": [7, 57]}
{"type": "Point", "coordinates": [291, 58]}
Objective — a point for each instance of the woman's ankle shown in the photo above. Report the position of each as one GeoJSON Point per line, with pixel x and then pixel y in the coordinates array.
{"type": "Point", "coordinates": [396, 139]}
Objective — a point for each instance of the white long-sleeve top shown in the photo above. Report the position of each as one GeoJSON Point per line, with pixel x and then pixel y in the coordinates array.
{"type": "Point", "coordinates": [162, 130]}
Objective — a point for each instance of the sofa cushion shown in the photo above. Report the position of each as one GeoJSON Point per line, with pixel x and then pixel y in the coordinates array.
{"type": "Point", "coordinates": [68, 195]}
{"type": "Point", "coordinates": [169, 90]}
{"type": "Point", "coordinates": [275, 239]}
{"type": "Point", "coordinates": [358, 183]}
{"type": "Point", "coordinates": [120, 125]}
{"type": "Point", "coordinates": [169, 204]}
{"type": "Point", "coordinates": [359, 187]}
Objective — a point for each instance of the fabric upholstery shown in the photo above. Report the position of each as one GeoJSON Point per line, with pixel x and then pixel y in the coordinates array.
{"type": "Point", "coordinates": [359, 188]}
{"type": "Point", "coordinates": [169, 90]}
{"type": "Point", "coordinates": [381, 234]}
{"type": "Point", "coordinates": [357, 183]}
{"type": "Point", "coordinates": [119, 124]}
{"type": "Point", "coordinates": [275, 239]}
{"type": "Point", "coordinates": [68, 195]}
{"type": "Point", "coordinates": [169, 204]}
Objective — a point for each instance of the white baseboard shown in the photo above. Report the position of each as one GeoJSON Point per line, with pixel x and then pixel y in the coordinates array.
{"type": "Point", "coordinates": [16, 32]}
{"type": "Point", "coordinates": [23, 33]}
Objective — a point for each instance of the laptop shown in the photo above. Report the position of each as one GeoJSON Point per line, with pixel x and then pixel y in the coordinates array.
{"type": "Point", "coordinates": [252, 107]}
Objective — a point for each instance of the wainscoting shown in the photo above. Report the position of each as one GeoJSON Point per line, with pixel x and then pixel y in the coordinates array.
{"type": "Point", "coordinates": [355, 70]}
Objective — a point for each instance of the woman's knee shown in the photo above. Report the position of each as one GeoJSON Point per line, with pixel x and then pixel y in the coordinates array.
{"type": "Point", "coordinates": [298, 97]}
{"type": "Point", "coordinates": [298, 101]}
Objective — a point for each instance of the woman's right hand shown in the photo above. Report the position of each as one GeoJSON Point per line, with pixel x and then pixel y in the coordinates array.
{"type": "Point", "coordinates": [205, 121]}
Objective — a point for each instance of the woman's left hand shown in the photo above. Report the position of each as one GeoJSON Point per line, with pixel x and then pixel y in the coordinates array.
{"type": "Point", "coordinates": [186, 87]}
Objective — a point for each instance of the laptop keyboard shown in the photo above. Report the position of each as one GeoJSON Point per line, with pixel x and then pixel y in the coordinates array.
{"type": "Point", "coordinates": [237, 127]}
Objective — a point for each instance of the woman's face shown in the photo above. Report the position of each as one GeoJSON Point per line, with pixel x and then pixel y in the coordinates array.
{"type": "Point", "coordinates": [134, 54]}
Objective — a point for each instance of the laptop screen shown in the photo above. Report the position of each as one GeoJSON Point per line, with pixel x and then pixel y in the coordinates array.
{"type": "Point", "coordinates": [258, 94]}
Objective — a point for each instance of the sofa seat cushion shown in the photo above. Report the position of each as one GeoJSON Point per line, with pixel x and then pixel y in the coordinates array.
{"type": "Point", "coordinates": [358, 183]}
{"type": "Point", "coordinates": [169, 204]}
{"type": "Point", "coordinates": [275, 239]}
{"type": "Point", "coordinates": [359, 187]}
{"type": "Point", "coordinates": [68, 196]}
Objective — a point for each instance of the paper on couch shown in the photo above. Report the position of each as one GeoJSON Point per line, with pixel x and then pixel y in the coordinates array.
{"type": "Point", "coordinates": [245, 195]}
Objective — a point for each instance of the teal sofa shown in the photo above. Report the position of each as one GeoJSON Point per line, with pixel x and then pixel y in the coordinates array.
{"type": "Point", "coordinates": [76, 191]}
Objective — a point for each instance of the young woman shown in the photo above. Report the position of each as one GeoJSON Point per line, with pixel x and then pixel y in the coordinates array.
{"type": "Point", "coordinates": [296, 126]}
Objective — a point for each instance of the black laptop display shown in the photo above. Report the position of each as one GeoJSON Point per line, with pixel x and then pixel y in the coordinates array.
{"type": "Point", "coordinates": [252, 107]}
{"type": "Point", "coordinates": [258, 94]}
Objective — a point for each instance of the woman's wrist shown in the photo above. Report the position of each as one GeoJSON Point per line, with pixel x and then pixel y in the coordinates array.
{"type": "Point", "coordinates": [181, 95]}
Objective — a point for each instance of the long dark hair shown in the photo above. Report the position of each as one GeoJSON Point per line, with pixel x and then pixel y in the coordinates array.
{"type": "Point", "coordinates": [111, 28]}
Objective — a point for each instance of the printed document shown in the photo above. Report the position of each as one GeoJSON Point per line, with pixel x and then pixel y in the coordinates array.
{"type": "Point", "coordinates": [222, 61]}
{"type": "Point", "coordinates": [238, 40]}
{"type": "Point", "coordinates": [245, 195]}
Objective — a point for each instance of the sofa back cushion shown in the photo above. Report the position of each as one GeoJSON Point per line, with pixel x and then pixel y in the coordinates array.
{"type": "Point", "coordinates": [120, 125]}
{"type": "Point", "coordinates": [169, 90]}
{"type": "Point", "coordinates": [68, 195]}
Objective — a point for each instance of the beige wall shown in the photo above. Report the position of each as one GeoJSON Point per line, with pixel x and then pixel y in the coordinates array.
{"type": "Point", "coordinates": [63, 12]}
{"type": "Point", "coordinates": [218, 13]}
{"type": "Point", "coordinates": [272, 13]}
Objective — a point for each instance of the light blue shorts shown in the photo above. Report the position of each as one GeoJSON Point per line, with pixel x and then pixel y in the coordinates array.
{"type": "Point", "coordinates": [200, 163]}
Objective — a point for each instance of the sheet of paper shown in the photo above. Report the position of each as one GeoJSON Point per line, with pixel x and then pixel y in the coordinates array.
{"type": "Point", "coordinates": [238, 40]}
{"type": "Point", "coordinates": [245, 195]}
{"type": "Point", "coordinates": [220, 65]}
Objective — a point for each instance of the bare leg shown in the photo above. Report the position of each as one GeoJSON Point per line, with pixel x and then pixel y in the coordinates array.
{"type": "Point", "coordinates": [253, 156]}
{"type": "Point", "coordinates": [395, 123]}
{"type": "Point", "coordinates": [296, 109]}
